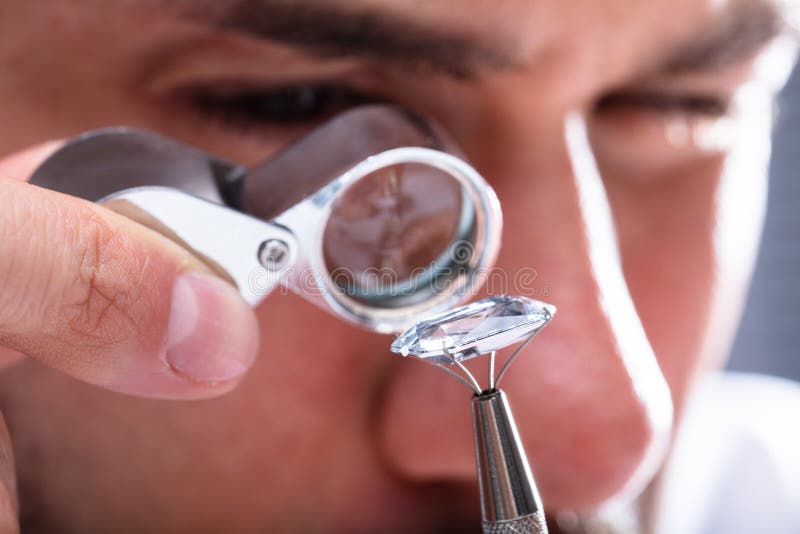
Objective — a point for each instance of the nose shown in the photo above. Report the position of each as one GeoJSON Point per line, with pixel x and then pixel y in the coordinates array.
{"type": "Point", "coordinates": [591, 404]}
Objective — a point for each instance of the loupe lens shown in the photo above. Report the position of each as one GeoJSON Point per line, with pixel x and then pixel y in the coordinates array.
{"type": "Point", "coordinates": [396, 233]}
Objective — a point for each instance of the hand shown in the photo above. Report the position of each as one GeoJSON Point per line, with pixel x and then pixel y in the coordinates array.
{"type": "Point", "coordinates": [110, 302]}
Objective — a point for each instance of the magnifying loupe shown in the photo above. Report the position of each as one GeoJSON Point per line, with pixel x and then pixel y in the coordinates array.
{"type": "Point", "coordinates": [372, 215]}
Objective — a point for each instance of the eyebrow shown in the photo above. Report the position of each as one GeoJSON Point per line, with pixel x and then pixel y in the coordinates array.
{"type": "Point", "coordinates": [745, 28]}
{"type": "Point", "coordinates": [329, 30]}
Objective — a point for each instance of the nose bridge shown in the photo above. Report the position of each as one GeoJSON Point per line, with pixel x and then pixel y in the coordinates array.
{"type": "Point", "coordinates": [559, 222]}
{"type": "Point", "coordinates": [557, 218]}
{"type": "Point", "coordinates": [588, 392]}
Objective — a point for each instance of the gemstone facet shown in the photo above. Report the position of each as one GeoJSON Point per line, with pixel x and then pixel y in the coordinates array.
{"type": "Point", "coordinates": [474, 329]}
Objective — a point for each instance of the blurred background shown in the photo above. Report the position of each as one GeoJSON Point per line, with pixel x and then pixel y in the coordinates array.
{"type": "Point", "coordinates": [769, 336]}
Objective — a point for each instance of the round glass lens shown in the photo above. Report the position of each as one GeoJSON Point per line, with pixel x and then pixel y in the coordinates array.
{"type": "Point", "coordinates": [389, 231]}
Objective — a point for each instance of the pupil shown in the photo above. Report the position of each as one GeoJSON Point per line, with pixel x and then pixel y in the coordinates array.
{"type": "Point", "coordinates": [290, 103]}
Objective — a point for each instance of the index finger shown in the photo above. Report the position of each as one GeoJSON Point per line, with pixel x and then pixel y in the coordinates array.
{"type": "Point", "coordinates": [110, 302]}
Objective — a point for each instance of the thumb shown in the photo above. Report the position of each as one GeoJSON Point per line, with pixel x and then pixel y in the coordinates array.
{"type": "Point", "coordinates": [8, 484]}
{"type": "Point", "coordinates": [20, 166]}
{"type": "Point", "coordinates": [108, 301]}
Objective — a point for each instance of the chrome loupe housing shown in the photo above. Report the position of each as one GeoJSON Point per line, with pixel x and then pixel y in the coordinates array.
{"type": "Point", "coordinates": [370, 216]}
{"type": "Point", "coordinates": [398, 302]}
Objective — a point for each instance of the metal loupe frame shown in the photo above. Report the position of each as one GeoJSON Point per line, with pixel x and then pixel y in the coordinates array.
{"type": "Point", "coordinates": [308, 219]}
{"type": "Point", "coordinates": [228, 242]}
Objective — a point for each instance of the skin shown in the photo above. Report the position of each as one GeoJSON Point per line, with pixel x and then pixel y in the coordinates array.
{"type": "Point", "coordinates": [329, 432]}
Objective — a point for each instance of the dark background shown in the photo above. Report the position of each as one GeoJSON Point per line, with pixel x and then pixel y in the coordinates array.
{"type": "Point", "coordinates": [769, 336]}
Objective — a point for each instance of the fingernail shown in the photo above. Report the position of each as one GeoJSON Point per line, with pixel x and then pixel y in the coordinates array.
{"type": "Point", "coordinates": [212, 334]}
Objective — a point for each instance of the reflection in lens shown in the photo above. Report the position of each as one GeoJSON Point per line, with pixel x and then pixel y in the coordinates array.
{"type": "Point", "coordinates": [391, 228]}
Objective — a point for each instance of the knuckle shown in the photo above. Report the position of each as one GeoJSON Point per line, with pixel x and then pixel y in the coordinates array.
{"type": "Point", "coordinates": [73, 278]}
{"type": "Point", "coordinates": [102, 295]}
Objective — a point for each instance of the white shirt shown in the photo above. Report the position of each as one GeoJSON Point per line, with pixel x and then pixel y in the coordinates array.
{"type": "Point", "coordinates": [735, 466]}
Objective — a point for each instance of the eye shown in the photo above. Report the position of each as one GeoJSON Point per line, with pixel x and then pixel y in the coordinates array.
{"type": "Point", "coordinates": [642, 134]}
{"type": "Point", "coordinates": [694, 104]}
{"type": "Point", "coordinates": [279, 106]}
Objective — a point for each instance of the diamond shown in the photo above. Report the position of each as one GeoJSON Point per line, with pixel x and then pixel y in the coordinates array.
{"type": "Point", "coordinates": [478, 328]}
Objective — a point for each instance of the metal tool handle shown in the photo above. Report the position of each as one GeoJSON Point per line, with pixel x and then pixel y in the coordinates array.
{"type": "Point", "coordinates": [251, 254]}
{"type": "Point", "coordinates": [510, 502]}
{"type": "Point", "coordinates": [530, 524]}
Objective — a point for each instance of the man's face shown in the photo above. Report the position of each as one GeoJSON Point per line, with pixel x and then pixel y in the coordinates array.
{"type": "Point", "coordinates": [329, 432]}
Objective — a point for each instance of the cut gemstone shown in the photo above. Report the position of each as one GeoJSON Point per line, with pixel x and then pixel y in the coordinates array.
{"type": "Point", "coordinates": [474, 329]}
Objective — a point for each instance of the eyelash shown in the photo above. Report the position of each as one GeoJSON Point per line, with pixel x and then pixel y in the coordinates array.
{"type": "Point", "coordinates": [703, 105]}
{"type": "Point", "coordinates": [300, 105]}
{"type": "Point", "coordinates": [284, 106]}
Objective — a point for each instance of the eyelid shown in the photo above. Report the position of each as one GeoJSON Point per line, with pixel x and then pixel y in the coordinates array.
{"type": "Point", "coordinates": [709, 93]}
{"type": "Point", "coordinates": [211, 60]}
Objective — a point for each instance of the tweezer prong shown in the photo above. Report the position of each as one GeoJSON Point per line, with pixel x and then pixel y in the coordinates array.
{"type": "Point", "coordinates": [513, 355]}
{"type": "Point", "coordinates": [457, 377]}
{"type": "Point", "coordinates": [463, 368]}
{"type": "Point", "coordinates": [492, 357]}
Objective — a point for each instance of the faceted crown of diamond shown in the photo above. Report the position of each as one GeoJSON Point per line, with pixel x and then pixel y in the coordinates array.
{"type": "Point", "coordinates": [474, 329]}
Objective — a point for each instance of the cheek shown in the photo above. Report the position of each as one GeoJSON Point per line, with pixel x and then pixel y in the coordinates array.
{"type": "Point", "coordinates": [666, 231]}
{"type": "Point", "coordinates": [688, 221]}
